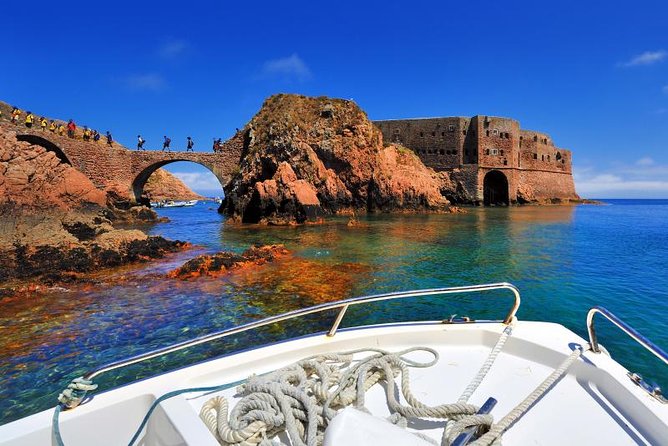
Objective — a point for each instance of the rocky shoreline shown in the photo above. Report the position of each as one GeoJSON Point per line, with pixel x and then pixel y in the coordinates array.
{"type": "Point", "coordinates": [56, 226]}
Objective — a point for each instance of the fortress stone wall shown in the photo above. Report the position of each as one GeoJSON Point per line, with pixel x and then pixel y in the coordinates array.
{"type": "Point", "coordinates": [491, 160]}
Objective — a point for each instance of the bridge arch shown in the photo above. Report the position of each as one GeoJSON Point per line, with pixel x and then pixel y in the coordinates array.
{"type": "Point", "coordinates": [43, 142]}
{"type": "Point", "coordinates": [144, 174]}
{"type": "Point", "coordinates": [495, 189]}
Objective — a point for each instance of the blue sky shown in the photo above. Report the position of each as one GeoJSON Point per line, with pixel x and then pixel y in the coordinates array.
{"type": "Point", "coordinates": [592, 74]}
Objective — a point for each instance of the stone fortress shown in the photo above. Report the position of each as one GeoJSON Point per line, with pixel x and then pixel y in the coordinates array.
{"type": "Point", "coordinates": [490, 160]}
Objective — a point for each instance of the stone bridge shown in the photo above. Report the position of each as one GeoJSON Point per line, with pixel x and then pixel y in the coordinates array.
{"type": "Point", "coordinates": [127, 171]}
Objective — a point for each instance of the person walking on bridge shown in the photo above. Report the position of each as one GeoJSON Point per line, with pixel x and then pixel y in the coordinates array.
{"type": "Point", "coordinates": [42, 123]}
{"type": "Point", "coordinates": [110, 140]}
{"type": "Point", "coordinates": [52, 126]}
{"type": "Point", "coordinates": [71, 128]}
{"type": "Point", "coordinates": [16, 114]}
{"type": "Point", "coordinates": [30, 118]}
{"type": "Point", "coordinates": [166, 143]}
{"type": "Point", "coordinates": [190, 144]}
{"type": "Point", "coordinates": [140, 142]}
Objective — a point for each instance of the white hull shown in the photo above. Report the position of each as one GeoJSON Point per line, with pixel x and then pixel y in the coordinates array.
{"type": "Point", "coordinates": [595, 403]}
{"type": "Point", "coordinates": [174, 204]}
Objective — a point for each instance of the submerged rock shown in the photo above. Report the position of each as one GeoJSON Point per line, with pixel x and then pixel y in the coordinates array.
{"type": "Point", "coordinates": [219, 263]}
{"type": "Point", "coordinates": [305, 158]}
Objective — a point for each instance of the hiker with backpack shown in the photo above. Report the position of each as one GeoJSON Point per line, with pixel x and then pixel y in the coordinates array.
{"type": "Point", "coordinates": [166, 143]}
{"type": "Point", "coordinates": [140, 142]}
{"type": "Point", "coordinates": [190, 144]}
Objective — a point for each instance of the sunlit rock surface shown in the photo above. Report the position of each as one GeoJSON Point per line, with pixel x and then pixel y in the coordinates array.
{"type": "Point", "coordinates": [306, 158]}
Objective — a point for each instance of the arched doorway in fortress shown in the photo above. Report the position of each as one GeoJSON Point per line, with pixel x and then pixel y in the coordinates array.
{"type": "Point", "coordinates": [43, 142]}
{"type": "Point", "coordinates": [495, 189]}
{"type": "Point", "coordinates": [140, 180]}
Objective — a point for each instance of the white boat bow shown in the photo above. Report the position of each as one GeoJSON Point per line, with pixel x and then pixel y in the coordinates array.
{"type": "Point", "coordinates": [591, 399]}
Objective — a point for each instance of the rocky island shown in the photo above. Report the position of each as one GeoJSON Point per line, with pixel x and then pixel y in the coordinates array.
{"type": "Point", "coordinates": [305, 158]}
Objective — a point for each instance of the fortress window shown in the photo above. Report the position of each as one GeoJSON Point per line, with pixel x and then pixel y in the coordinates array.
{"type": "Point", "coordinates": [442, 133]}
{"type": "Point", "coordinates": [433, 133]}
{"type": "Point", "coordinates": [421, 134]}
{"type": "Point", "coordinates": [494, 151]}
{"type": "Point", "coordinates": [535, 138]}
{"type": "Point", "coordinates": [507, 135]}
{"type": "Point", "coordinates": [501, 151]}
{"type": "Point", "coordinates": [496, 132]}
{"type": "Point", "coordinates": [454, 152]}
{"type": "Point", "coordinates": [505, 162]}
{"type": "Point", "coordinates": [542, 157]}
{"type": "Point", "coordinates": [535, 156]}
{"type": "Point", "coordinates": [487, 152]}
{"type": "Point", "coordinates": [442, 152]}
{"type": "Point", "coordinates": [487, 132]}
{"type": "Point", "coordinates": [451, 128]}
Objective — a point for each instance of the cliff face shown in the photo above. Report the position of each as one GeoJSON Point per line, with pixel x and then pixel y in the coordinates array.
{"type": "Point", "coordinates": [309, 157]}
{"type": "Point", "coordinates": [162, 185]}
{"type": "Point", "coordinates": [55, 223]}
{"type": "Point", "coordinates": [32, 176]}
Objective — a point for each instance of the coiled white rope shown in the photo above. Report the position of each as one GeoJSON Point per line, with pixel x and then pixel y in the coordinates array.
{"type": "Point", "coordinates": [302, 398]}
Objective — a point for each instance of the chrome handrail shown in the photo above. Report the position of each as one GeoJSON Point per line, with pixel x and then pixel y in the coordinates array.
{"type": "Point", "coordinates": [342, 304]}
{"type": "Point", "coordinates": [626, 328]}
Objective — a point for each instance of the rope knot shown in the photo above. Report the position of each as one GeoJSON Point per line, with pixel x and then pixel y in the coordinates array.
{"type": "Point", "coordinates": [75, 392]}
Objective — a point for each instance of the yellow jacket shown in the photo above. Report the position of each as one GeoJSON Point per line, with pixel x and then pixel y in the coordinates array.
{"type": "Point", "coordinates": [30, 118]}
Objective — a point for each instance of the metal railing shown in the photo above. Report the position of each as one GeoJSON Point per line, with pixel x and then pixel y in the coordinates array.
{"type": "Point", "coordinates": [342, 305]}
{"type": "Point", "coordinates": [626, 328]}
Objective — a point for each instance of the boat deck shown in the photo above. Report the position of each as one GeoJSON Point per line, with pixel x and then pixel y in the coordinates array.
{"type": "Point", "coordinates": [595, 403]}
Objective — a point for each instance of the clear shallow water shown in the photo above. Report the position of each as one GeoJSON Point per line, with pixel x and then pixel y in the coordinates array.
{"type": "Point", "coordinates": [564, 260]}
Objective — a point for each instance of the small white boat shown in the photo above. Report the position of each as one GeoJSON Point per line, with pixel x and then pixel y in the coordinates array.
{"type": "Point", "coordinates": [450, 381]}
{"type": "Point", "coordinates": [174, 204]}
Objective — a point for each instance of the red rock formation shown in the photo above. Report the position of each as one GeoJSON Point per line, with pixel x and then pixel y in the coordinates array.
{"type": "Point", "coordinates": [162, 185]}
{"type": "Point", "coordinates": [54, 222]}
{"type": "Point", "coordinates": [222, 262]}
{"type": "Point", "coordinates": [308, 157]}
{"type": "Point", "coordinates": [32, 176]}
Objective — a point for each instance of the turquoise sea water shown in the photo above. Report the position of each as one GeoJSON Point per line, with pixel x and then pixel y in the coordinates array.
{"type": "Point", "coordinates": [563, 259]}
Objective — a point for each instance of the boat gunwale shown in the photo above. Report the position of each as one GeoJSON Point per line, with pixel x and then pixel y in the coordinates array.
{"type": "Point", "coordinates": [342, 304]}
